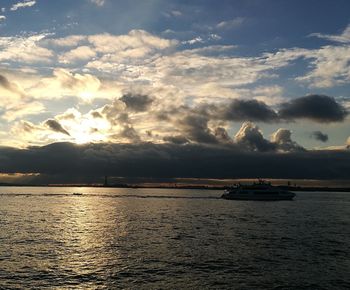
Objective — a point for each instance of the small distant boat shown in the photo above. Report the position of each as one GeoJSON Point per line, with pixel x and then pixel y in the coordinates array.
{"type": "Point", "coordinates": [77, 193]}
{"type": "Point", "coordinates": [257, 191]}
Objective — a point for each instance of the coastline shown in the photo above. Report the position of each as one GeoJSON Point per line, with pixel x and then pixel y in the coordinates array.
{"type": "Point", "coordinates": [176, 186]}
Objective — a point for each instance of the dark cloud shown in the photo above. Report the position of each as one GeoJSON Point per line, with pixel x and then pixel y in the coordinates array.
{"type": "Point", "coordinates": [88, 163]}
{"type": "Point", "coordinates": [318, 135]}
{"type": "Point", "coordinates": [283, 140]}
{"type": "Point", "coordinates": [178, 139]}
{"type": "Point", "coordinates": [162, 116]}
{"type": "Point", "coordinates": [222, 135]}
{"type": "Point", "coordinates": [96, 115]}
{"type": "Point", "coordinates": [205, 123]}
{"type": "Point", "coordinates": [195, 128]}
{"type": "Point", "coordinates": [250, 137]}
{"type": "Point", "coordinates": [248, 110]}
{"type": "Point", "coordinates": [137, 103]}
{"type": "Point", "coordinates": [56, 126]}
{"type": "Point", "coordinates": [6, 84]}
{"type": "Point", "coordinates": [112, 111]}
{"type": "Point", "coordinates": [123, 117]}
{"type": "Point", "coordinates": [319, 108]}
{"type": "Point", "coordinates": [130, 133]}
{"type": "Point", "coordinates": [27, 126]}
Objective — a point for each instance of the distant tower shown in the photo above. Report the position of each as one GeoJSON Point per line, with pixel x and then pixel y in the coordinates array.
{"type": "Point", "coordinates": [106, 181]}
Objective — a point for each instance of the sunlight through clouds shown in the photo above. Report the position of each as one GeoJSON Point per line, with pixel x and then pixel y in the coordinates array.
{"type": "Point", "coordinates": [139, 86]}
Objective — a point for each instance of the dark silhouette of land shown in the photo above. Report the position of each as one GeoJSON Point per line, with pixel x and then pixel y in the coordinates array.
{"type": "Point", "coordinates": [180, 186]}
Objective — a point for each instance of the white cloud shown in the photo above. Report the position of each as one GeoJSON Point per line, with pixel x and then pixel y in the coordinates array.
{"type": "Point", "coordinates": [282, 138]}
{"type": "Point", "coordinates": [176, 13]}
{"type": "Point", "coordinates": [231, 24]}
{"type": "Point", "coordinates": [142, 57]}
{"type": "Point", "coordinates": [24, 49]}
{"type": "Point", "coordinates": [200, 39]}
{"type": "Point", "coordinates": [193, 69]}
{"type": "Point", "coordinates": [135, 40]}
{"type": "Point", "coordinates": [344, 37]}
{"type": "Point", "coordinates": [328, 65]}
{"type": "Point", "coordinates": [2, 18]}
{"type": "Point", "coordinates": [23, 4]}
{"type": "Point", "coordinates": [98, 2]}
{"type": "Point", "coordinates": [79, 53]}
{"type": "Point", "coordinates": [22, 109]}
{"type": "Point", "coordinates": [141, 60]}
{"type": "Point", "coordinates": [14, 102]}
{"type": "Point", "coordinates": [195, 40]}
{"type": "Point", "coordinates": [331, 67]}
{"type": "Point", "coordinates": [65, 83]}
{"type": "Point", "coordinates": [270, 95]}
{"type": "Point", "coordinates": [213, 36]}
{"type": "Point", "coordinates": [71, 40]}
{"type": "Point", "coordinates": [172, 13]}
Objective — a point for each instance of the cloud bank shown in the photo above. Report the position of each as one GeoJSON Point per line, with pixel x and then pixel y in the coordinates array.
{"type": "Point", "coordinates": [69, 162]}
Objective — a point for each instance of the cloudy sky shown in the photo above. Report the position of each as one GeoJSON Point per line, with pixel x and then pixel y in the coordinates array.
{"type": "Point", "coordinates": [210, 89]}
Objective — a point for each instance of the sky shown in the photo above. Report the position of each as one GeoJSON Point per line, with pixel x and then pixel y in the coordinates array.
{"type": "Point", "coordinates": [174, 89]}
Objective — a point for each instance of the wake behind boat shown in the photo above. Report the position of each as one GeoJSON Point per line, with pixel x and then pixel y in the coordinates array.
{"type": "Point", "coordinates": [257, 191]}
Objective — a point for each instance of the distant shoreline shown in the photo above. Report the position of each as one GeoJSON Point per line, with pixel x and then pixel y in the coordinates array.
{"type": "Point", "coordinates": [202, 187]}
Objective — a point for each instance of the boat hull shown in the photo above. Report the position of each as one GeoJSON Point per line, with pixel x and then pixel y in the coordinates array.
{"type": "Point", "coordinates": [259, 197]}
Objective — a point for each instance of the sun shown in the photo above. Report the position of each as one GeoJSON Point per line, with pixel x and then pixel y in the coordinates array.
{"type": "Point", "coordinates": [86, 95]}
{"type": "Point", "coordinates": [83, 138]}
{"type": "Point", "coordinates": [88, 135]}
{"type": "Point", "coordinates": [89, 130]}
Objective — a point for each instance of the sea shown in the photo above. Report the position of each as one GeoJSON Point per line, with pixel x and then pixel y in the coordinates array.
{"type": "Point", "coordinates": [126, 238]}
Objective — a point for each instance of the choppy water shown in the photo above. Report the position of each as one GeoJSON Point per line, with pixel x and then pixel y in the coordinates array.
{"type": "Point", "coordinates": [171, 239]}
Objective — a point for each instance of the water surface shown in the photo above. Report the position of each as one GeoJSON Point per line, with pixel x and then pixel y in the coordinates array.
{"type": "Point", "coordinates": [171, 238]}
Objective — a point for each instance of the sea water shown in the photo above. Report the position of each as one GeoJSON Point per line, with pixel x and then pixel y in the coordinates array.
{"type": "Point", "coordinates": [109, 238]}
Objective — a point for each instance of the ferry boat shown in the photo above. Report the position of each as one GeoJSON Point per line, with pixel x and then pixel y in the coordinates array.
{"type": "Point", "coordinates": [257, 191]}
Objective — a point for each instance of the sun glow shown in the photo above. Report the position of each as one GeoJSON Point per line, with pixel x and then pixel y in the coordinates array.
{"type": "Point", "coordinates": [86, 129]}
{"type": "Point", "coordinates": [86, 96]}
{"type": "Point", "coordinates": [87, 135]}
{"type": "Point", "coordinates": [82, 138]}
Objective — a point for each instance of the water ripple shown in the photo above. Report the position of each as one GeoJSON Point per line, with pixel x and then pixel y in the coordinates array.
{"type": "Point", "coordinates": [166, 239]}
